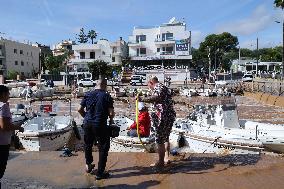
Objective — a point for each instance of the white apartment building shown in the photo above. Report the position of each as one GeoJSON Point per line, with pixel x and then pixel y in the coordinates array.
{"type": "Point", "coordinates": [62, 47]}
{"type": "Point", "coordinates": [111, 53]}
{"type": "Point", "coordinates": [167, 44]}
{"type": "Point", "coordinates": [19, 57]}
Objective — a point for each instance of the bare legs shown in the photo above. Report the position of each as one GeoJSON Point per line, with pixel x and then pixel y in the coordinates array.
{"type": "Point", "coordinates": [167, 152]}
{"type": "Point", "coordinates": [164, 154]}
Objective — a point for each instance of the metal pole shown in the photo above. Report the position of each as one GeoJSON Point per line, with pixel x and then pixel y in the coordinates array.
{"type": "Point", "coordinates": [257, 56]}
{"type": "Point", "coordinates": [282, 49]}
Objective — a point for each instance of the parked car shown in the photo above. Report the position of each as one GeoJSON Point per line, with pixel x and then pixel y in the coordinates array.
{"type": "Point", "coordinates": [247, 78]}
{"type": "Point", "coordinates": [86, 82]}
{"type": "Point", "coordinates": [136, 79]}
{"type": "Point", "coordinates": [112, 82]}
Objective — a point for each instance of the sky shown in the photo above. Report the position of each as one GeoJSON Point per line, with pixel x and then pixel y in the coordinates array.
{"type": "Point", "coordinates": [51, 21]}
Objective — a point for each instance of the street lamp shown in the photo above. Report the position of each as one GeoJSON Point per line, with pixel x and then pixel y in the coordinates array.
{"type": "Point", "coordinates": [282, 47]}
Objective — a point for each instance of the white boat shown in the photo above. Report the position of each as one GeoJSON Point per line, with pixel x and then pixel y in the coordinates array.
{"type": "Point", "coordinates": [224, 119]}
{"type": "Point", "coordinates": [189, 136]}
{"type": "Point", "coordinates": [188, 92]}
{"type": "Point", "coordinates": [124, 143]}
{"type": "Point", "coordinates": [46, 133]}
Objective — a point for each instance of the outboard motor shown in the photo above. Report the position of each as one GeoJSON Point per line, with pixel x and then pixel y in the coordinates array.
{"type": "Point", "coordinates": [20, 106]}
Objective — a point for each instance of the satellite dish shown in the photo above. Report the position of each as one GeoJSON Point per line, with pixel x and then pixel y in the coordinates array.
{"type": "Point", "coordinates": [172, 20]}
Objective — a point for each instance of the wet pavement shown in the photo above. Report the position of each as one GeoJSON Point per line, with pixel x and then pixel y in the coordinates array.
{"type": "Point", "coordinates": [131, 170]}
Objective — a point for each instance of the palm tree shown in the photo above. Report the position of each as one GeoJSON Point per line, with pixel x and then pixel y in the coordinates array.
{"type": "Point", "coordinates": [92, 34]}
{"type": "Point", "coordinates": [279, 4]}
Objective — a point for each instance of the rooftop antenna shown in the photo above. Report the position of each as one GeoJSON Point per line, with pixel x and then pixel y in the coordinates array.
{"type": "Point", "coordinates": [172, 20]}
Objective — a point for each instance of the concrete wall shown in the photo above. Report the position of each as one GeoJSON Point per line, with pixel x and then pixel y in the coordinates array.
{"type": "Point", "coordinates": [267, 98]}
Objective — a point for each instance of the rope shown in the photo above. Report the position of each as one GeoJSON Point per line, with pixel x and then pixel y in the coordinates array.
{"type": "Point", "coordinates": [137, 124]}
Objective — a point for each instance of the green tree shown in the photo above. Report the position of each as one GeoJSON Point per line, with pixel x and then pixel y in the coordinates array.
{"type": "Point", "coordinates": [53, 63]}
{"type": "Point", "coordinates": [92, 34]}
{"type": "Point", "coordinates": [279, 4]}
{"type": "Point", "coordinates": [12, 74]}
{"type": "Point", "coordinates": [100, 69]}
{"type": "Point", "coordinates": [219, 45]}
{"type": "Point", "coordinates": [82, 37]}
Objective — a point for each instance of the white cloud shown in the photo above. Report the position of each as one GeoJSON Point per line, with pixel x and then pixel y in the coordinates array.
{"type": "Point", "coordinates": [257, 21]}
{"type": "Point", "coordinates": [196, 37]}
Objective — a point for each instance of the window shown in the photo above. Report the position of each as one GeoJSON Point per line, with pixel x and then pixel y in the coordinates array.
{"type": "Point", "coordinates": [158, 49]}
{"type": "Point", "coordinates": [167, 36]}
{"type": "Point", "coordinates": [21, 52]}
{"type": "Point", "coordinates": [137, 52]}
{"type": "Point", "coordinates": [1, 62]}
{"type": "Point", "coordinates": [16, 62]}
{"type": "Point", "coordinates": [22, 73]}
{"type": "Point", "coordinates": [142, 50]}
{"type": "Point", "coordinates": [27, 53]}
{"type": "Point", "coordinates": [22, 63]}
{"type": "Point", "coordinates": [15, 51]}
{"type": "Point", "coordinates": [82, 55]}
{"type": "Point", "coordinates": [92, 55]}
{"type": "Point", "coordinates": [27, 63]}
{"type": "Point", "coordinates": [170, 49]}
{"type": "Point", "coordinates": [103, 53]}
{"type": "Point", "coordinates": [140, 38]}
{"type": "Point", "coordinates": [114, 50]}
{"type": "Point", "coordinates": [113, 59]}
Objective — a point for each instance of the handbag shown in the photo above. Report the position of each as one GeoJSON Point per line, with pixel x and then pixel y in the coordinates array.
{"type": "Point", "coordinates": [113, 130]}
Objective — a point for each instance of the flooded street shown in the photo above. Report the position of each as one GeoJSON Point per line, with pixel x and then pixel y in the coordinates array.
{"type": "Point", "coordinates": [131, 170]}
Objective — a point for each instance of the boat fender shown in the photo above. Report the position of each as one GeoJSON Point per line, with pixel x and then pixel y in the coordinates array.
{"type": "Point", "coordinates": [174, 152]}
{"type": "Point", "coordinates": [76, 130]}
{"type": "Point", "coordinates": [181, 141]}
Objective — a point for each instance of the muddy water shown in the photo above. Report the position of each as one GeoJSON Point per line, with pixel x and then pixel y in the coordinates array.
{"type": "Point", "coordinates": [131, 170]}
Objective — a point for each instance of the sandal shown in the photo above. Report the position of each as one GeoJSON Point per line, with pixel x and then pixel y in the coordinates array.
{"type": "Point", "coordinates": [167, 162]}
{"type": "Point", "coordinates": [90, 168]}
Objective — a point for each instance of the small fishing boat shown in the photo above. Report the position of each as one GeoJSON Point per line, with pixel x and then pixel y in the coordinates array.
{"type": "Point", "coordinates": [124, 143]}
{"type": "Point", "coordinates": [46, 133]}
{"type": "Point", "coordinates": [188, 136]}
{"type": "Point", "coordinates": [223, 121]}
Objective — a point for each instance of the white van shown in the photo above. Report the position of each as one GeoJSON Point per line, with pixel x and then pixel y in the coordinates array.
{"type": "Point", "coordinates": [247, 78]}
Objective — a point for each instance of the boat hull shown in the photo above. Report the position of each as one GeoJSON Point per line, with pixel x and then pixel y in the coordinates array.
{"type": "Point", "coordinates": [205, 144]}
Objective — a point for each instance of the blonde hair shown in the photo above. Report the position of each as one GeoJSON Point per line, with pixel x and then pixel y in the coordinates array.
{"type": "Point", "coordinates": [153, 78]}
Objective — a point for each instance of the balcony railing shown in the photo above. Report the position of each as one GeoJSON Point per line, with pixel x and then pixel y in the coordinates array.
{"type": "Point", "coordinates": [167, 53]}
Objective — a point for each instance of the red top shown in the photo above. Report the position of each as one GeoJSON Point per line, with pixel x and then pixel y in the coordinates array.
{"type": "Point", "coordinates": [144, 124]}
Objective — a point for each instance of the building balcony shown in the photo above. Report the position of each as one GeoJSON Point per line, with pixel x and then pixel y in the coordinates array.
{"type": "Point", "coordinates": [87, 47]}
{"type": "Point", "coordinates": [160, 56]}
{"type": "Point", "coordinates": [117, 53]}
{"type": "Point", "coordinates": [2, 67]}
{"type": "Point", "coordinates": [165, 42]}
{"type": "Point", "coordinates": [135, 43]}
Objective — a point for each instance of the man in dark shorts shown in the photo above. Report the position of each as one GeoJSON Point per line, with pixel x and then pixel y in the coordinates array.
{"type": "Point", "coordinates": [162, 119]}
{"type": "Point", "coordinates": [96, 107]}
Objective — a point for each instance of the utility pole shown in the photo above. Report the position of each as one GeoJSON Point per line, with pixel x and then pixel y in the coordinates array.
{"type": "Point", "coordinates": [256, 56]}
{"type": "Point", "coordinates": [283, 50]}
{"type": "Point", "coordinates": [209, 63]}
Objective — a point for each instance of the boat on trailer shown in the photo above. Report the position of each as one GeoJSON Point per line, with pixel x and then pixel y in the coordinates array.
{"type": "Point", "coordinates": [46, 133]}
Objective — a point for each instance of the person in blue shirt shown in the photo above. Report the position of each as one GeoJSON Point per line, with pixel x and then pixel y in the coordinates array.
{"type": "Point", "coordinates": [96, 108]}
